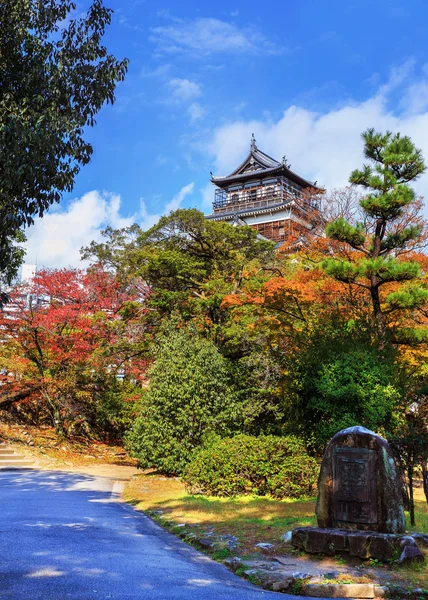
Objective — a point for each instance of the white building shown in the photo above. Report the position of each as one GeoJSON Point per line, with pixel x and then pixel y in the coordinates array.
{"type": "Point", "coordinates": [27, 273]}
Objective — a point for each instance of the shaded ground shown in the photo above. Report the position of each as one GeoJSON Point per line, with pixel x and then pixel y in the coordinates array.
{"type": "Point", "coordinates": [251, 519]}
{"type": "Point", "coordinates": [65, 536]}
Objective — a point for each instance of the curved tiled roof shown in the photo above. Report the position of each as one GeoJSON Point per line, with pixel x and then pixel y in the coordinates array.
{"type": "Point", "coordinates": [259, 164]}
{"type": "Point", "coordinates": [264, 160]}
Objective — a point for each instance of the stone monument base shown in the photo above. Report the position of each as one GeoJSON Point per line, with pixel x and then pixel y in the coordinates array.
{"type": "Point", "coordinates": [364, 544]}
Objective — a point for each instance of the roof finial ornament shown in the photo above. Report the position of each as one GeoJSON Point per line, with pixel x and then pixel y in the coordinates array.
{"type": "Point", "coordinates": [284, 162]}
{"type": "Point", "coordinates": [253, 143]}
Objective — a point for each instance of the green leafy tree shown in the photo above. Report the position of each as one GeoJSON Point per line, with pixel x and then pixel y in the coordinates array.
{"type": "Point", "coordinates": [55, 76]}
{"type": "Point", "coordinates": [189, 398]}
{"type": "Point", "coordinates": [389, 228]}
{"type": "Point", "coordinates": [339, 380]}
{"type": "Point", "coordinates": [189, 263]}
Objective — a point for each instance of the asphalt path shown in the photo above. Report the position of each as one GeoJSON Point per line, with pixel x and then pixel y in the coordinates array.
{"type": "Point", "coordinates": [68, 536]}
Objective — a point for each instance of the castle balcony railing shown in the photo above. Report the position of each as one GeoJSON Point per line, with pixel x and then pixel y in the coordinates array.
{"type": "Point", "coordinates": [226, 202]}
{"type": "Point", "coordinates": [229, 202]}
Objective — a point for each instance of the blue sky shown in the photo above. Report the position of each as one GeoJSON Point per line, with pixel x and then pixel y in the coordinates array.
{"type": "Point", "coordinates": [306, 77]}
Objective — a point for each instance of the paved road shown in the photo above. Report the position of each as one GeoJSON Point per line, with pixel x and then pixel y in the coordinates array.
{"type": "Point", "coordinates": [65, 536]}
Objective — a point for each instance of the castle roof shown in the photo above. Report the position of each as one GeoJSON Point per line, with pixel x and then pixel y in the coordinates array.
{"type": "Point", "coordinates": [258, 165]}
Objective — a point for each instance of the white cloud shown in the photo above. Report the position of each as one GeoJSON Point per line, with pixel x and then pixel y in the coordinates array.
{"type": "Point", "coordinates": [175, 203]}
{"type": "Point", "coordinates": [55, 240]}
{"type": "Point", "coordinates": [204, 36]}
{"type": "Point", "coordinates": [415, 100]}
{"type": "Point", "coordinates": [184, 90]}
{"type": "Point", "coordinates": [327, 147]}
{"type": "Point", "coordinates": [160, 71]}
{"type": "Point", "coordinates": [196, 112]}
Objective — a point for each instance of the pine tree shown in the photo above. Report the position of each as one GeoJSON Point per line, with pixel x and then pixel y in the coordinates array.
{"type": "Point", "coordinates": [390, 227]}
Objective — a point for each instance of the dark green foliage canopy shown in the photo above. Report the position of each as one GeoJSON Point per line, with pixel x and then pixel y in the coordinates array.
{"type": "Point", "coordinates": [342, 381]}
{"type": "Point", "coordinates": [183, 257]}
{"type": "Point", "coordinates": [55, 76]}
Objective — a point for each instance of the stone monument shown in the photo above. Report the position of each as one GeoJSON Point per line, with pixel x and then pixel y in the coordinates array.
{"type": "Point", "coordinates": [359, 506]}
{"type": "Point", "coordinates": [358, 486]}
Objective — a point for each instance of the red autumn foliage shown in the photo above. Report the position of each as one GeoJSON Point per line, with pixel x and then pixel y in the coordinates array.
{"type": "Point", "coordinates": [63, 335]}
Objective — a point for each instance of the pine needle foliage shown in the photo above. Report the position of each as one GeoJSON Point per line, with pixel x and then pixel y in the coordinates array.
{"type": "Point", "coordinates": [388, 230]}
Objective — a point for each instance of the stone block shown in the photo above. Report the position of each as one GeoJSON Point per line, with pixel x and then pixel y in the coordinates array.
{"type": "Point", "coordinates": [206, 544]}
{"type": "Point", "coordinates": [286, 537]}
{"type": "Point", "coordinates": [407, 540]}
{"type": "Point", "coordinates": [339, 590]}
{"type": "Point", "coordinates": [281, 586]}
{"type": "Point", "coordinates": [299, 537]}
{"type": "Point", "coordinates": [319, 542]}
{"type": "Point", "coordinates": [339, 539]}
{"type": "Point", "coordinates": [359, 545]}
{"type": "Point", "coordinates": [358, 486]}
{"type": "Point", "coordinates": [380, 591]}
{"type": "Point", "coordinates": [410, 555]}
{"type": "Point", "coordinates": [382, 547]}
{"type": "Point", "coordinates": [264, 546]}
{"type": "Point", "coordinates": [364, 544]}
{"type": "Point", "coordinates": [300, 575]}
{"type": "Point", "coordinates": [233, 563]}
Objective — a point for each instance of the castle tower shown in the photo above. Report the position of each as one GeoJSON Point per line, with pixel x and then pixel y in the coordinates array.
{"type": "Point", "coordinates": [266, 195]}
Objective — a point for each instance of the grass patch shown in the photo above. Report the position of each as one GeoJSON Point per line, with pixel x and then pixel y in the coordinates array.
{"type": "Point", "coordinates": [297, 586]}
{"type": "Point", "coordinates": [417, 575]}
{"type": "Point", "coordinates": [251, 519]}
{"type": "Point", "coordinates": [421, 513]}
{"type": "Point", "coordinates": [221, 554]}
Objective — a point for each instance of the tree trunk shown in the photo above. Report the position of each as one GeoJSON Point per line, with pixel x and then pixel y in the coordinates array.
{"type": "Point", "coordinates": [377, 311]}
{"type": "Point", "coordinates": [7, 400]}
{"type": "Point", "coordinates": [412, 502]}
{"type": "Point", "coordinates": [404, 490]}
{"type": "Point", "coordinates": [55, 415]}
{"type": "Point", "coordinates": [425, 478]}
{"type": "Point", "coordinates": [59, 427]}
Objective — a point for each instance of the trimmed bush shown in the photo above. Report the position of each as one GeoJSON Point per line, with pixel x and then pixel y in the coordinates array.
{"type": "Point", "coordinates": [244, 464]}
{"type": "Point", "coordinates": [188, 400]}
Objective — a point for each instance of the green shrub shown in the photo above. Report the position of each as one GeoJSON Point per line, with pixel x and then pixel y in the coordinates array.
{"type": "Point", "coordinates": [244, 464]}
{"type": "Point", "coordinates": [188, 400]}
